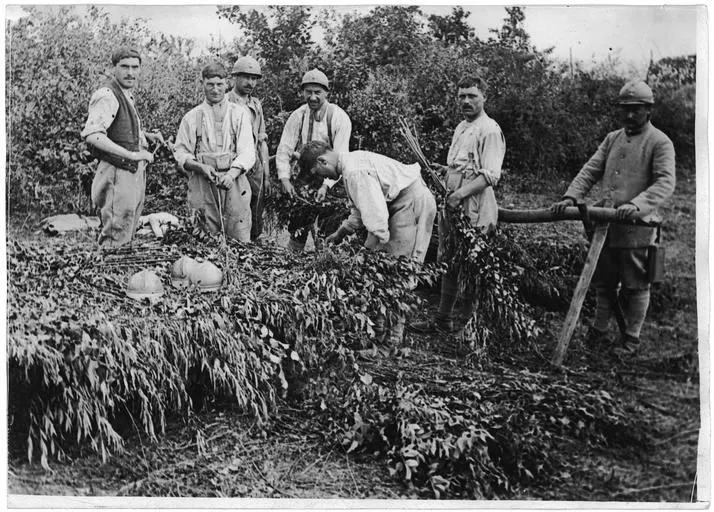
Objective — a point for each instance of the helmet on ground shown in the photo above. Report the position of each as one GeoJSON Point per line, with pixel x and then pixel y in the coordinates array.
{"type": "Point", "coordinates": [315, 76]}
{"type": "Point", "coordinates": [206, 276]}
{"type": "Point", "coordinates": [180, 271]}
{"type": "Point", "coordinates": [635, 92]}
{"type": "Point", "coordinates": [144, 285]}
{"type": "Point", "coordinates": [247, 65]}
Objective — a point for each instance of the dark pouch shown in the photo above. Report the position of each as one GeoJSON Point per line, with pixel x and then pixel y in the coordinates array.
{"type": "Point", "coordinates": [655, 260]}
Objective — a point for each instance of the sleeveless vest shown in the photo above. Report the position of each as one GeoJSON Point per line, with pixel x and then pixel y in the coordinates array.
{"type": "Point", "coordinates": [123, 131]}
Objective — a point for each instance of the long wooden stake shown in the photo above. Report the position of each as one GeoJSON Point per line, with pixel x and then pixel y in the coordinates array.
{"type": "Point", "coordinates": [581, 290]}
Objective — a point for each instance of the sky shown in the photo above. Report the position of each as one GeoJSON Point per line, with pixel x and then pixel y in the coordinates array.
{"type": "Point", "coordinates": [592, 33]}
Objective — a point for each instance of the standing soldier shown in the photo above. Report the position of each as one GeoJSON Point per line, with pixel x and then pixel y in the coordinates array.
{"type": "Point", "coordinates": [474, 168]}
{"type": "Point", "coordinates": [316, 120]}
{"type": "Point", "coordinates": [246, 73]}
{"type": "Point", "coordinates": [114, 135]}
{"type": "Point", "coordinates": [214, 145]}
{"type": "Point", "coordinates": [637, 169]}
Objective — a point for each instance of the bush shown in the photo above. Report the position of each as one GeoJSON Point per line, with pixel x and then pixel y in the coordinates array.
{"type": "Point", "coordinates": [56, 60]}
{"type": "Point", "coordinates": [479, 435]}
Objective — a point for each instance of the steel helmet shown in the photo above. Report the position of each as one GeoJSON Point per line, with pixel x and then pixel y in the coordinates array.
{"type": "Point", "coordinates": [635, 92]}
{"type": "Point", "coordinates": [205, 275]}
{"type": "Point", "coordinates": [315, 76]}
{"type": "Point", "coordinates": [143, 285]}
{"type": "Point", "coordinates": [180, 271]}
{"type": "Point", "coordinates": [247, 65]}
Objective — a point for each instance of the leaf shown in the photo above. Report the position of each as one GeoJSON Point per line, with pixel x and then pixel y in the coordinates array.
{"type": "Point", "coordinates": [366, 379]}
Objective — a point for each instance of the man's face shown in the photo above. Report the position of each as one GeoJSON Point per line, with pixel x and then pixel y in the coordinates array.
{"type": "Point", "coordinates": [214, 88]}
{"type": "Point", "coordinates": [314, 95]}
{"type": "Point", "coordinates": [324, 168]}
{"type": "Point", "coordinates": [634, 117]}
{"type": "Point", "coordinates": [471, 101]}
{"type": "Point", "coordinates": [126, 72]}
{"type": "Point", "coordinates": [244, 83]}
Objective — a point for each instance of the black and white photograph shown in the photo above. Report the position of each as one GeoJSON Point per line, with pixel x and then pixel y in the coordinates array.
{"type": "Point", "coordinates": [388, 255]}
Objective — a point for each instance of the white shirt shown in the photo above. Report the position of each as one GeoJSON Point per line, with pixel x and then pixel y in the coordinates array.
{"type": "Point", "coordinates": [371, 181]}
{"type": "Point", "coordinates": [483, 139]}
{"type": "Point", "coordinates": [103, 108]}
{"type": "Point", "coordinates": [236, 136]}
{"type": "Point", "coordinates": [294, 135]}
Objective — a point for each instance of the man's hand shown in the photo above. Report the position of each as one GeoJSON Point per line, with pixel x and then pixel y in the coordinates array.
{"type": "Point", "coordinates": [336, 237]}
{"type": "Point", "coordinates": [626, 211]}
{"type": "Point", "coordinates": [155, 137]}
{"type": "Point", "coordinates": [228, 179]}
{"type": "Point", "coordinates": [321, 193]}
{"type": "Point", "coordinates": [559, 207]}
{"type": "Point", "coordinates": [142, 154]}
{"type": "Point", "coordinates": [454, 199]}
{"type": "Point", "coordinates": [288, 188]}
{"type": "Point", "coordinates": [209, 172]}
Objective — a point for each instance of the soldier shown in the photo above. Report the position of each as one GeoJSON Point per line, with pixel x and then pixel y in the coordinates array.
{"type": "Point", "coordinates": [388, 198]}
{"type": "Point", "coordinates": [316, 120]}
{"type": "Point", "coordinates": [246, 72]}
{"type": "Point", "coordinates": [115, 137]}
{"type": "Point", "coordinates": [215, 147]}
{"type": "Point", "coordinates": [474, 168]}
{"type": "Point", "coordinates": [637, 168]}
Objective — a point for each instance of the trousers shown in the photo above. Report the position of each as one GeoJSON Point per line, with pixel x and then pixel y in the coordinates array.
{"type": "Point", "coordinates": [119, 196]}
{"type": "Point", "coordinates": [231, 207]}
{"type": "Point", "coordinates": [411, 221]}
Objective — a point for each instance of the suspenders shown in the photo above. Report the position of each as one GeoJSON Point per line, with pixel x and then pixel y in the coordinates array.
{"type": "Point", "coordinates": [328, 119]}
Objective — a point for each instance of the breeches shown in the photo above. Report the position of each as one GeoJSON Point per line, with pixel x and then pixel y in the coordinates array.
{"type": "Point", "coordinates": [411, 221]}
{"type": "Point", "coordinates": [119, 196]}
{"type": "Point", "coordinates": [228, 208]}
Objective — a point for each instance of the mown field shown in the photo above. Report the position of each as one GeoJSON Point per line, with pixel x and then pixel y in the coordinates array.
{"type": "Point", "coordinates": [637, 442]}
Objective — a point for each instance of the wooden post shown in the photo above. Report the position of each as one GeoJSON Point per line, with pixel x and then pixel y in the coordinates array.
{"type": "Point", "coordinates": [581, 290]}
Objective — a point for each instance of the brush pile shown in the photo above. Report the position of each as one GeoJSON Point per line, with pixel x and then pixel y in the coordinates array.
{"type": "Point", "coordinates": [84, 357]}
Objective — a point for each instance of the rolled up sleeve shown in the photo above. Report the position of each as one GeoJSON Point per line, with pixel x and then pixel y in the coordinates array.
{"type": "Point", "coordinates": [103, 108]}
{"type": "Point", "coordinates": [492, 152]}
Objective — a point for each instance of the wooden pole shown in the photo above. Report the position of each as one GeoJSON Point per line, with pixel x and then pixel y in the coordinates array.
{"type": "Point", "coordinates": [581, 290]}
{"type": "Point", "coordinates": [597, 214]}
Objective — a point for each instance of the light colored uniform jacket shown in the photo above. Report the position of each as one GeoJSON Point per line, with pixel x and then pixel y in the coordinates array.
{"type": "Point", "coordinates": [390, 200]}
{"type": "Point", "coordinates": [637, 169]}
{"type": "Point", "coordinates": [230, 142]}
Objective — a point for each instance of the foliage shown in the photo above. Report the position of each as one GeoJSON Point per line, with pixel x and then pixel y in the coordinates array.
{"type": "Point", "coordinates": [80, 353]}
{"type": "Point", "coordinates": [481, 435]}
{"type": "Point", "coordinates": [674, 84]}
{"type": "Point", "coordinates": [66, 56]}
{"type": "Point", "coordinates": [486, 270]}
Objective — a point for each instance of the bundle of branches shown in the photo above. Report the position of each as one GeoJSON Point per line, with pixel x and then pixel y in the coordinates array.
{"type": "Point", "coordinates": [299, 213]}
{"type": "Point", "coordinates": [477, 435]}
{"type": "Point", "coordinates": [488, 275]}
{"type": "Point", "coordinates": [81, 353]}
{"type": "Point", "coordinates": [409, 134]}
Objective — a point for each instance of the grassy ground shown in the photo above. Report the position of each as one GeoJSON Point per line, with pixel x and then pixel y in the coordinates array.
{"type": "Point", "coordinates": [221, 453]}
